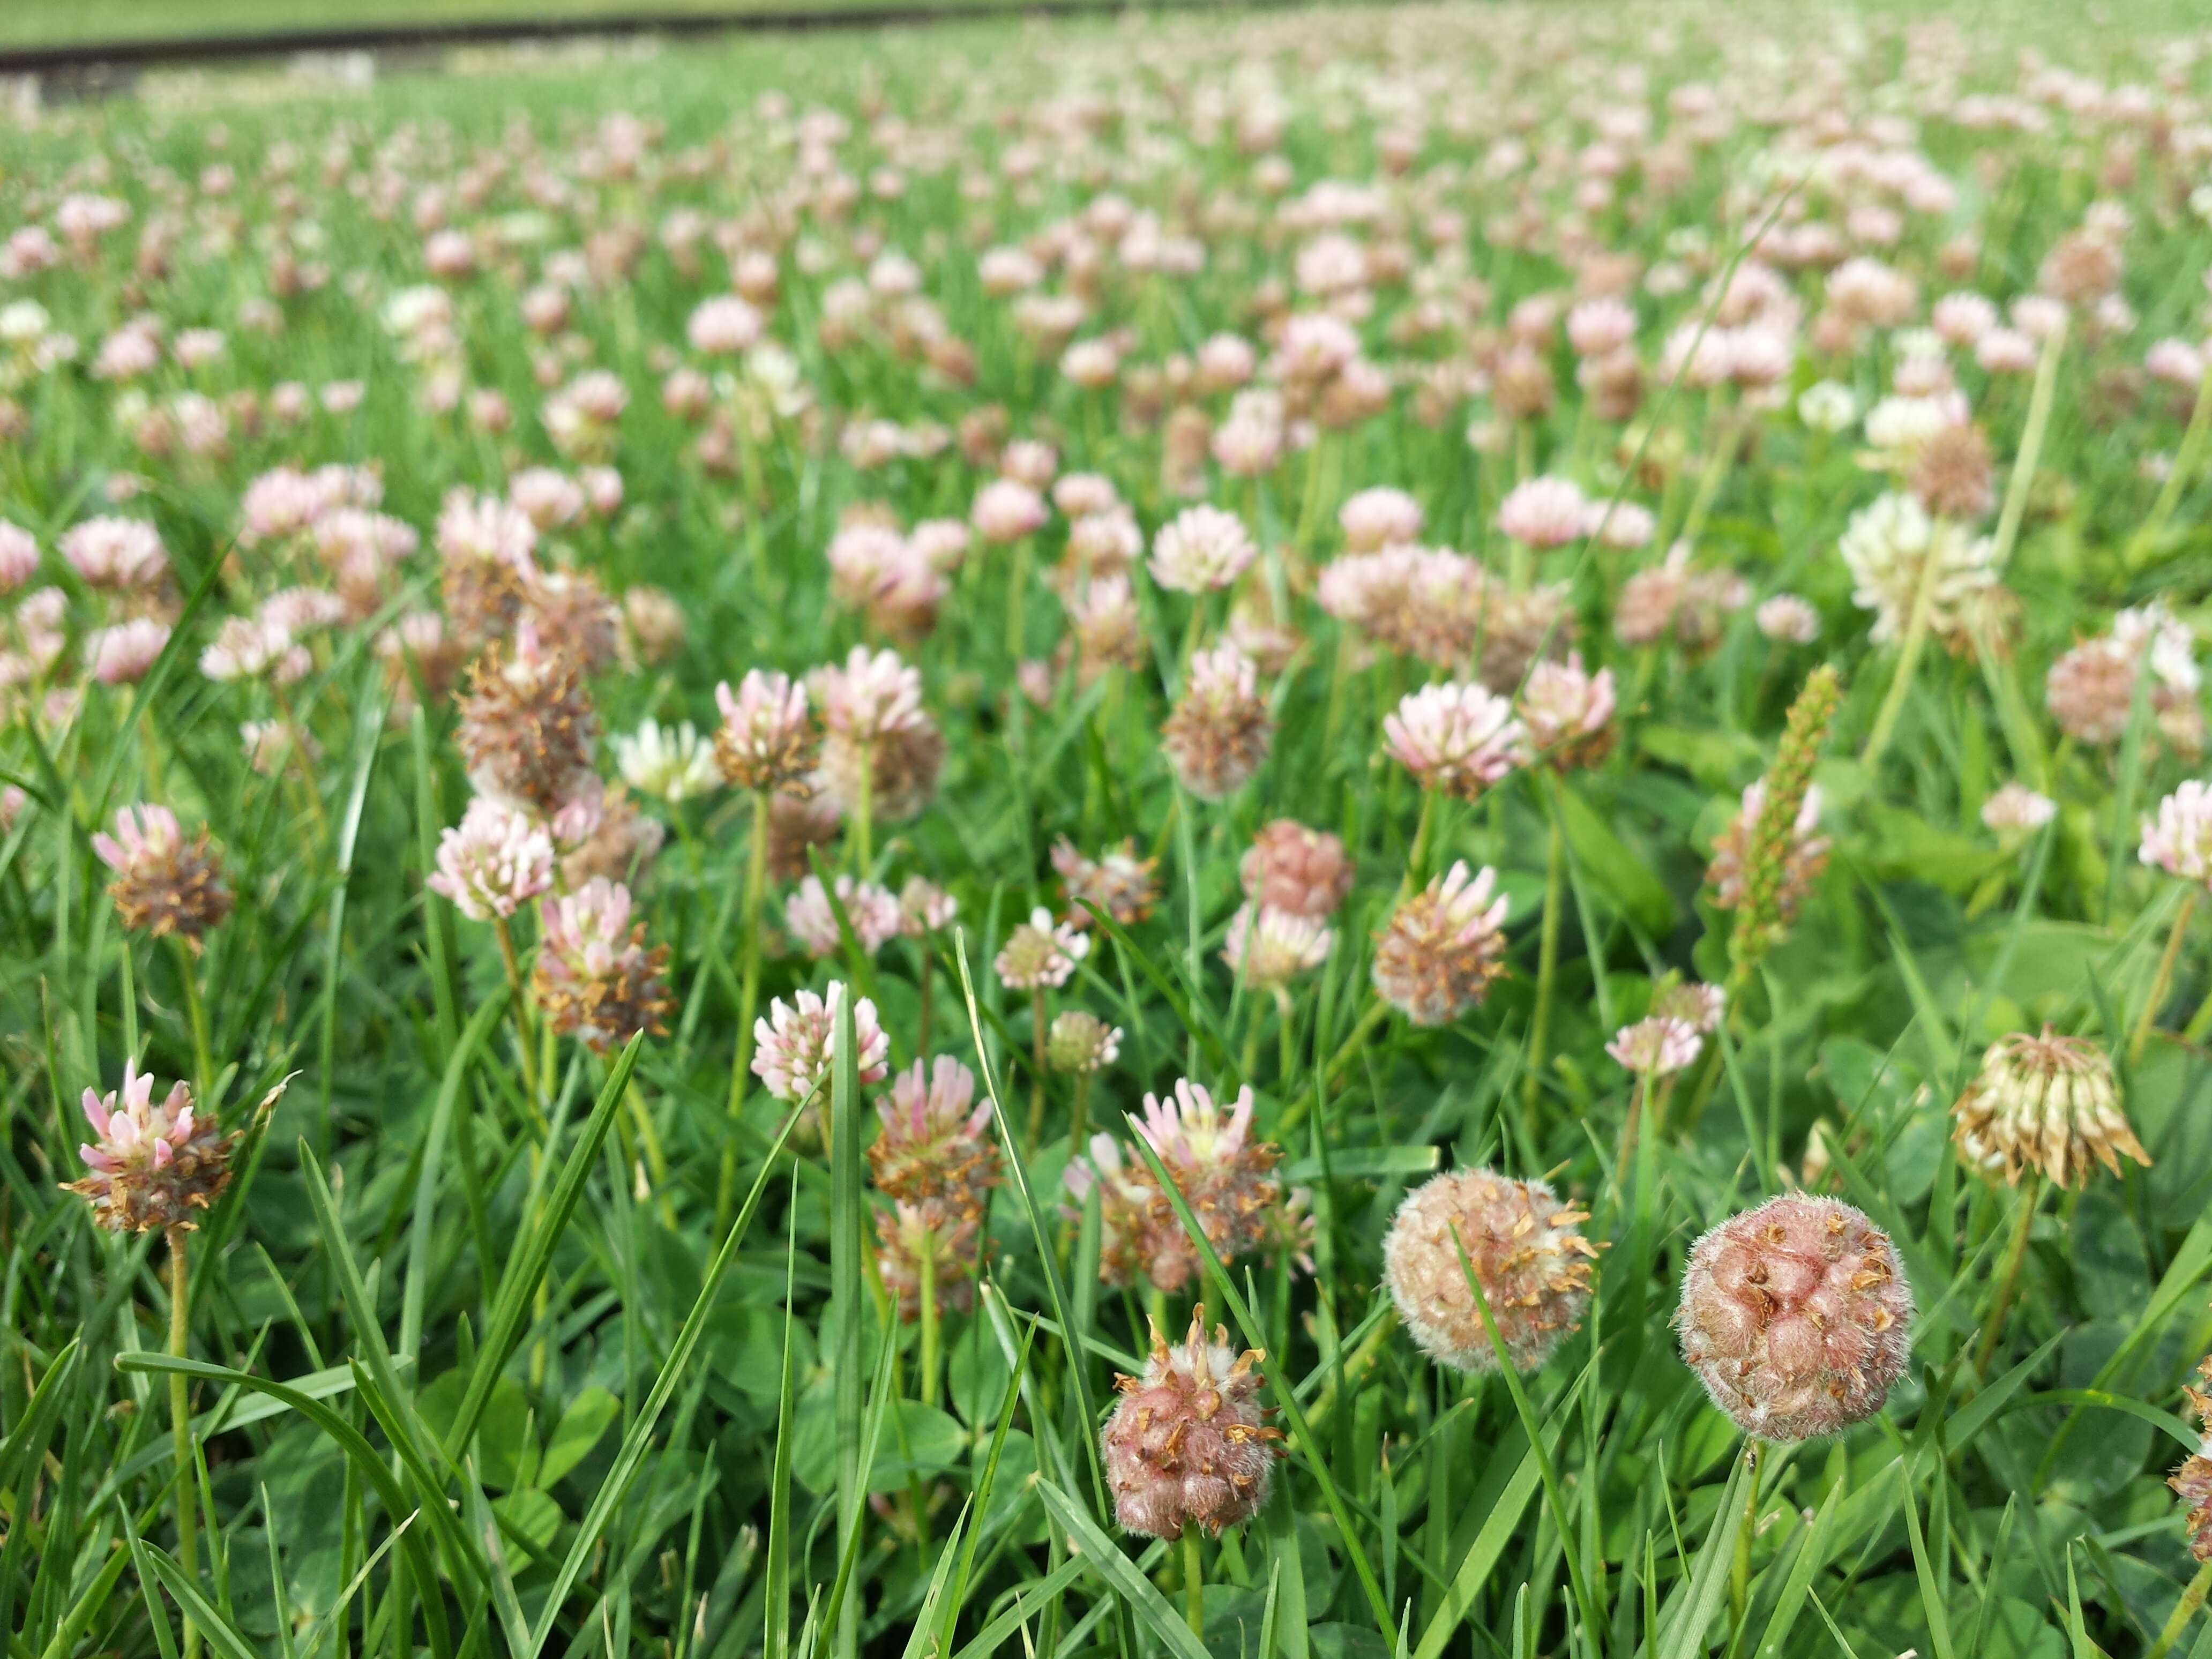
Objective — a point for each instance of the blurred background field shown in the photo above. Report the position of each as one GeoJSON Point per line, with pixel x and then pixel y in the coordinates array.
{"type": "Point", "coordinates": [48, 23]}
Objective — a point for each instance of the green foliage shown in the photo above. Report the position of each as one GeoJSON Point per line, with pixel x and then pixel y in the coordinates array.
{"type": "Point", "coordinates": [499, 1342]}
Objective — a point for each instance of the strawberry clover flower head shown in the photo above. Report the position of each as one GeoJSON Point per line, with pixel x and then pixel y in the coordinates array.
{"type": "Point", "coordinates": [796, 1044]}
{"type": "Point", "coordinates": [152, 1166]}
{"type": "Point", "coordinates": [495, 861]}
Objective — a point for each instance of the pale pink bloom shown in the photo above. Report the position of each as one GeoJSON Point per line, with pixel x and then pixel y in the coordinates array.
{"type": "Point", "coordinates": [796, 1044]}
{"type": "Point", "coordinates": [196, 347]}
{"type": "Point", "coordinates": [1314, 346]}
{"type": "Point", "coordinates": [285, 501]}
{"type": "Point", "coordinates": [1005, 271]}
{"type": "Point", "coordinates": [2005, 351]}
{"type": "Point", "coordinates": [1266, 948]}
{"type": "Point", "coordinates": [299, 610]}
{"type": "Point", "coordinates": [1599, 327]}
{"type": "Point", "coordinates": [127, 353]}
{"type": "Point", "coordinates": [602, 489]}
{"type": "Point", "coordinates": [1962, 318]}
{"type": "Point", "coordinates": [246, 647]}
{"type": "Point", "coordinates": [766, 740]}
{"type": "Point", "coordinates": [1657, 1046]}
{"type": "Point", "coordinates": [1040, 953]}
{"type": "Point", "coordinates": [495, 861]}
{"type": "Point", "coordinates": [448, 253]}
{"type": "Point", "coordinates": [1226, 362]}
{"type": "Point", "coordinates": [548, 498]}
{"type": "Point", "coordinates": [1544, 512]}
{"type": "Point", "coordinates": [1079, 495]}
{"type": "Point", "coordinates": [1379, 517]}
{"type": "Point", "coordinates": [1456, 737]}
{"type": "Point", "coordinates": [1443, 947]}
{"type": "Point", "coordinates": [1620, 525]}
{"type": "Point", "coordinates": [941, 543]}
{"type": "Point", "coordinates": [2038, 316]}
{"type": "Point", "coordinates": [870, 695]}
{"type": "Point", "coordinates": [1787, 619]}
{"type": "Point", "coordinates": [18, 555]}
{"type": "Point", "coordinates": [1091, 364]}
{"type": "Point", "coordinates": [2014, 809]}
{"type": "Point", "coordinates": [131, 1129]}
{"type": "Point", "coordinates": [2178, 839]}
{"type": "Point", "coordinates": [147, 838]}
{"type": "Point", "coordinates": [1567, 710]}
{"type": "Point", "coordinates": [872, 911]}
{"type": "Point", "coordinates": [116, 553]}
{"type": "Point", "coordinates": [154, 1167]}
{"type": "Point", "coordinates": [1006, 510]}
{"type": "Point", "coordinates": [485, 529]}
{"type": "Point", "coordinates": [2175, 363]}
{"type": "Point", "coordinates": [924, 907]}
{"type": "Point", "coordinates": [1191, 1134]}
{"type": "Point", "coordinates": [1247, 445]}
{"type": "Point", "coordinates": [1202, 549]}
{"type": "Point", "coordinates": [723, 326]}
{"type": "Point", "coordinates": [123, 655]}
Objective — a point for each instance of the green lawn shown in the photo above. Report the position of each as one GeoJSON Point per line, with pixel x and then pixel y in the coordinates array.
{"type": "Point", "coordinates": [45, 22]}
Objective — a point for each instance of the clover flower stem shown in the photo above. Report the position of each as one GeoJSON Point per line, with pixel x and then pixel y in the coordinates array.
{"type": "Point", "coordinates": [1036, 1068]}
{"type": "Point", "coordinates": [922, 981]}
{"type": "Point", "coordinates": [1333, 721]}
{"type": "Point", "coordinates": [1247, 1060]}
{"type": "Point", "coordinates": [2183, 1611]}
{"type": "Point", "coordinates": [1286, 1046]}
{"type": "Point", "coordinates": [296, 742]}
{"type": "Point", "coordinates": [2031, 446]}
{"type": "Point", "coordinates": [2009, 1275]}
{"type": "Point", "coordinates": [863, 813]}
{"type": "Point", "coordinates": [1310, 506]}
{"type": "Point", "coordinates": [1524, 451]}
{"type": "Point", "coordinates": [1721, 433]}
{"type": "Point", "coordinates": [149, 749]}
{"type": "Point", "coordinates": [2162, 980]}
{"type": "Point", "coordinates": [1908, 660]}
{"type": "Point", "coordinates": [1193, 1583]}
{"type": "Point", "coordinates": [180, 1424]}
{"type": "Point", "coordinates": [2185, 459]}
{"type": "Point", "coordinates": [1078, 1113]}
{"type": "Point", "coordinates": [519, 992]}
{"type": "Point", "coordinates": [1631, 1128]}
{"type": "Point", "coordinates": [925, 1265]}
{"type": "Point", "coordinates": [1740, 1561]}
{"type": "Point", "coordinates": [748, 1000]}
{"type": "Point", "coordinates": [1191, 631]}
{"type": "Point", "coordinates": [1017, 589]}
{"type": "Point", "coordinates": [1416, 859]}
{"type": "Point", "coordinates": [1547, 956]}
{"type": "Point", "coordinates": [196, 1016]}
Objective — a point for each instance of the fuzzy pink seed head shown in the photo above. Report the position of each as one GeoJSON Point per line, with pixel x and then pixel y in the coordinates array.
{"type": "Point", "coordinates": [1290, 867]}
{"type": "Point", "coordinates": [1526, 1249]}
{"type": "Point", "coordinates": [1797, 1317]}
{"type": "Point", "coordinates": [1185, 1446]}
